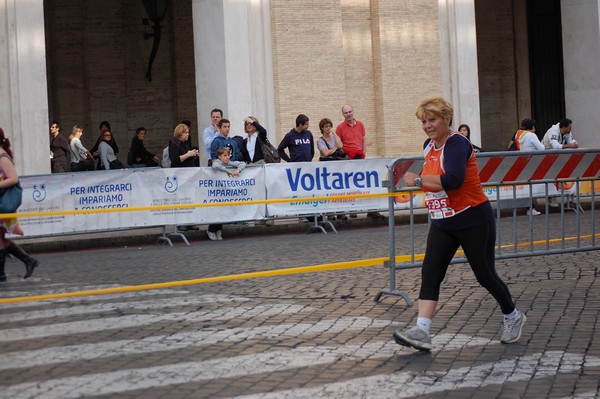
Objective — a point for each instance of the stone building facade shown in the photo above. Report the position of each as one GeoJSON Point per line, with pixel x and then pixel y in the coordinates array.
{"type": "Point", "coordinates": [82, 62]}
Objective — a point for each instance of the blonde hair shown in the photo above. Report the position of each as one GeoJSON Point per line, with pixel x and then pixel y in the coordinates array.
{"type": "Point", "coordinates": [76, 129]}
{"type": "Point", "coordinates": [246, 126]}
{"type": "Point", "coordinates": [179, 129]}
{"type": "Point", "coordinates": [435, 106]}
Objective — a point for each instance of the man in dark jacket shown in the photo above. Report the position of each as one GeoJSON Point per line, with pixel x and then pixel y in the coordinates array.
{"type": "Point", "coordinates": [299, 142]}
{"type": "Point", "coordinates": [59, 148]}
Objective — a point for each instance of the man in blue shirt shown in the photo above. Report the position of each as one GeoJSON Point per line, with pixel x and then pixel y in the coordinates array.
{"type": "Point", "coordinates": [211, 132]}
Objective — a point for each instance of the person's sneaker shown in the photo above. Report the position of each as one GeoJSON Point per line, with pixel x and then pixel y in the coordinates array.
{"type": "Point", "coordinates": [415, 338]}
{"type": "Point", "coordinates": [182, 228]}
{"type": "Point", "coordinates": [512, 329]}
{"type": "Point", "coordinates": [219, 235]}
{"type": "Point", "coordinates": [212, 235]}
{"type": "Point", "coordinates": [270, 222]}
{"type": "Point", "coordinates": [193, 227]}
{"type": "Point", "coordinates": [552, 202]}
{"type": "Point", "coordinates": [533, 212]}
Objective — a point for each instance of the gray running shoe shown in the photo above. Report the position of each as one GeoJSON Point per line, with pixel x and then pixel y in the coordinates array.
{"type": "Point", "coordinates": [414, 337]}
{"type": "Point", "coordinates": [512, 329]}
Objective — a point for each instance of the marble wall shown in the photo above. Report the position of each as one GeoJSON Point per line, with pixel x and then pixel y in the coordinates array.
{"type": "Point", "coordinates": [581, 54]}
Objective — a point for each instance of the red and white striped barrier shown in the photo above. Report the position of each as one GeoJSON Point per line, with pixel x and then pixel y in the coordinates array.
{"type": "Point", "coordinates": [503, 167]}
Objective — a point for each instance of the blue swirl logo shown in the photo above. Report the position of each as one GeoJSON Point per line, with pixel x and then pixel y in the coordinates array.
{"type": "Point", "coordinates": [39, 192]}
{"type": "Point", "coordinates": [171, 184]}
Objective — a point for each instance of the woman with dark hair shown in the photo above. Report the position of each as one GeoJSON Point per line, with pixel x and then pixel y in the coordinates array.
{"type": "Point", "coordinates": [104, 127]}
{"type": "Point", "coordinates": [108, 158]}
{"type": "Point", "coordinates": [139, 156]}
{"type": "Point", "coordinates": [9, 178]}
{"type": "Point", "coordinates": [465, 130]}
{"type": "Point", "coordinates": [328, 144]}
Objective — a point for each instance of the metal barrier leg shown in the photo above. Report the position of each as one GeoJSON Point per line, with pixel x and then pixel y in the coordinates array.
{"type": "Point", "coordinates": [571, 200]}
{"type": "Point", "coordinates": [393, 290]}
{"type": "Point", "coordinates": [404, 295]}
{"type": "Point", "coordinates": [166, 237]}
{"type": "Point", "coordinates": [330, 225]}
{"type": "Point", "coordinates": [318, 225]}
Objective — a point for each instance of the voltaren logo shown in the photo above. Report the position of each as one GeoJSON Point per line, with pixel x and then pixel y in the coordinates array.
{"type": "Point", "coordinates": [322, 179]}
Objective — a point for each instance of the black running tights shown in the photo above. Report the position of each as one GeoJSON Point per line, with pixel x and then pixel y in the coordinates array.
{"type": "Point", "coordinates": [478, 243]}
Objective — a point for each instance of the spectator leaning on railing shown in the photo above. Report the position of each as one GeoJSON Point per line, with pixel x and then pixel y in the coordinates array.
{"type": "Point", "coordinates": [559, 136]}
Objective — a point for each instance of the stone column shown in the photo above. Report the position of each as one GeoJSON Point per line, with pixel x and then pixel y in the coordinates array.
{"type": "Point", "coordinates": [23, 87]}
{"type": "Point", "coordinates": [581, 57]}
{"type": "Point", "coordinates": [459, 62]}
{"type": "Point", "coordinates": [407, 63]}
{"type": "Point", "coordinates": [234, 72]}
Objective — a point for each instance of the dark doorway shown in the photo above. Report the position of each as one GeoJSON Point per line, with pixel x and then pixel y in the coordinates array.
{"type": "Point", "coordinates": [546, 63]}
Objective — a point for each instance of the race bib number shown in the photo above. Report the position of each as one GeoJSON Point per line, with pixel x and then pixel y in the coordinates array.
{"type": "Point", "coordinates": [438, 205]}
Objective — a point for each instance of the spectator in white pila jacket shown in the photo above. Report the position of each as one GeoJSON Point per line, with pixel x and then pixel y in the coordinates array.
{"type": "Point", "coordinates": [559, 136]}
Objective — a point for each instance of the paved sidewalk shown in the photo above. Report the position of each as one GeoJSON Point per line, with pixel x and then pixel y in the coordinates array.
{"type": "Point", "coordinates": [298, 336]}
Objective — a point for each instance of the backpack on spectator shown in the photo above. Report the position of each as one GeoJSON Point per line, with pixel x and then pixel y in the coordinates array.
{"type": "Point", "coordinates": [166, 161]}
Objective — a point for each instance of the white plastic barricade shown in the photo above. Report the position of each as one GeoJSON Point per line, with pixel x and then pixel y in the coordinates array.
{"type": "Point", "coordinates": [138, 188]}
{"type": "Point", "coordinates": [322, 179]}
{"type": "Point", "coordinates": [185, 191]}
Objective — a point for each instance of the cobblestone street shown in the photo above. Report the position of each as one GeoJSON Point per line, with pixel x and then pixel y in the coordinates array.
{"type": "Point", "coordinates": [298, 336]}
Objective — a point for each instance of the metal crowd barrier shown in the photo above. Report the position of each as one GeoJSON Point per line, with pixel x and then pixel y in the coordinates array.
{"type": "Point", "coordinates": [562, 182]}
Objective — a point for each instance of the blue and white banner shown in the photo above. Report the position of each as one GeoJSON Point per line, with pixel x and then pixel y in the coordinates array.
{"type": "Point", "coordinates": [188, 191]}
{"type": "Point", "coordinates": [138, 188]}
{"type": "Point", "coordinates": [321, 179]}
{"type": "Point", "coordinates": [187, 187]}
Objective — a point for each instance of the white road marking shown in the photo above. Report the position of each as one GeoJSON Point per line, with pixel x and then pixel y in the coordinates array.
{"type": "Point", "coordinates": [89, 299]}
{"type": "Point", "coordinates": [63, 354]}
{"type": "Point", "coordinates": [107, 307]}
{"type": "Point", "coordinates": [584, 395]}
{"type": "Point", "coordinates": [77, 327]}
{"type": "Point", "coordinates": [396, 385]}
{"type": "Point", "coordinates": [393, 385]}
{"type": "Point", "coordinates": [413, 384]}
{"type": "Point", "coordinates": [55, 289]}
